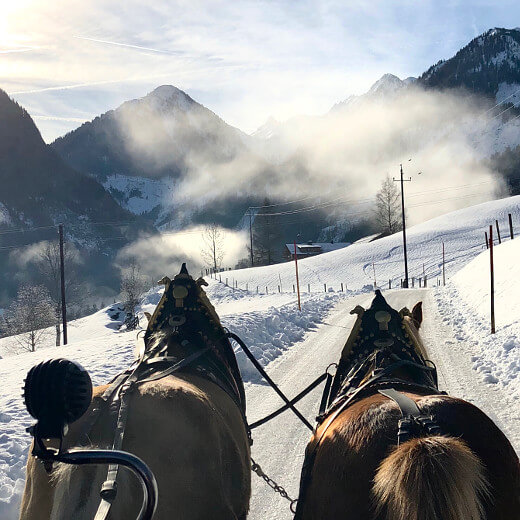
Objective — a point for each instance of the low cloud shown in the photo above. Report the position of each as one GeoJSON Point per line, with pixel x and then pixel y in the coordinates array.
{"type": "Point", "coordinates": [344, 155]}
{"type": "Point", "coordinates": [161, 255]}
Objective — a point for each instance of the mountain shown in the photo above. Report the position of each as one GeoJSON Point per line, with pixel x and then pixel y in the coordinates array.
{"type": "Point", "coordinates": [488, 65]}
{"type": "Point", "coordinates": [38, 188]}
{"type": "Point", "coordinates": [40, 191]}
{"type": "Point", "coordinates": [486, 70]}
{"type": "Point", "coordinates": [143, 148]}
{"type": "Point", "coordinates": [386, 87]}
{"type": "Point", "coordinates": [156, 136]}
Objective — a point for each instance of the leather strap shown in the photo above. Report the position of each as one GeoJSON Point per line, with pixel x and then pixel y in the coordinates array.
{"type": "Point", "coordinates": [125, 384]}
{"type": "Point", "coordinates": [407, 405]}
{"type": "Point", "coordinates": [413, 422]}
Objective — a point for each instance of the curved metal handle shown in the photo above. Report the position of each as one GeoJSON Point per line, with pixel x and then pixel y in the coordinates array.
{"type": "Point", "coordinates": [122, 458]}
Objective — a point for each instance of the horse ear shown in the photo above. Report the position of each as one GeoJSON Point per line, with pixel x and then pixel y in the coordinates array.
{"type": "Point", "coordinates": [417, 315]}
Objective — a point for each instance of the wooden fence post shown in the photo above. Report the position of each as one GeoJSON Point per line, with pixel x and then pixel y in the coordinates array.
{"type": "Point", "coordinates": [309, 287]}
{"type": "Point", "coordinates": [390, 283]}
{"type": "Point", "coordinates": [341, 286]}
{"type": "Point", "coordinates": [492, 270]}
{"type": "Point", "coordinates": [498, 232]}
{"type": "Point", "coordinates": [444, 265]}
{"type": "Point", "coordinates": [487, 240]}
{"type": "Point", "coordinates": [425, 281]}
{"type": "Point", "coordinates": [511, 226]}
{"type": "Point", "coordinates": [325, 287]}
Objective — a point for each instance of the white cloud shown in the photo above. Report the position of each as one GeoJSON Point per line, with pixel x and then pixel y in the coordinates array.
{"type": "Point", "coordinates": [160, 255]}
{"type": "Point", "coordinates": [245, 60]}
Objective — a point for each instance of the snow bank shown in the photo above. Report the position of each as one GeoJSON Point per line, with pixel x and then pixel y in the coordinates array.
{"type": "Point", "coordinates": [269, 324]}
{"type": "Point", "coordinates": [461, 231]}
{"type": "Point", "coordinates": [466, 302]}
{"type": "Point", "coordinates": [269, 334]}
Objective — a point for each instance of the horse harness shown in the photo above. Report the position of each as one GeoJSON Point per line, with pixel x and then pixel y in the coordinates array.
{"type": "Point", "coordinates": [115, 401]}
{"type": "Point", "coordinates": [205, 350]}
{"type": "Point", "coordinates": [358, 376]}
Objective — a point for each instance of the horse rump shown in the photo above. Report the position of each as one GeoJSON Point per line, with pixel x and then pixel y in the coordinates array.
{"type": "Point", "coordinates": [430, 478]}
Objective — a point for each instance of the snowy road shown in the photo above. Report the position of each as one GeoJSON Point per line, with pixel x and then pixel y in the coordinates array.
{"type": "Point", "coordinates": [279, 445]}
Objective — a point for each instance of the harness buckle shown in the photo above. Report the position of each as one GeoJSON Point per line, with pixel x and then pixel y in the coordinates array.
{"type": "Point", "coordinates": [407, 429]}
{"type": "Point", "coordinates": [108, 490]}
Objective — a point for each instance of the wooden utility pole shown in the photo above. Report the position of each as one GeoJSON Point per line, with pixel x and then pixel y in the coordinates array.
{"type": "Point", "coordinates": [405, 282]}
{"type": "Point", "coordinates": [511, 226]}
{"type": "Point", "coordinates": [443, 267]}
{"type": "Point", "coordinates": [62, 273]}
{"type": "Point", "coordinates": [251, 237]}
{"type": "Point", "coordinates": [498, 232]}
{"type": "Point", "coordinates": [492, 279]}
{"type": "Point", "coordinates": [297, 279]}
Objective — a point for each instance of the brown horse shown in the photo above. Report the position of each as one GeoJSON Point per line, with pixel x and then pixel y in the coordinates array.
{"type": "Point", "coordinates": [188, 426]}
{"type": "Point", "coordinates": [411, 452]}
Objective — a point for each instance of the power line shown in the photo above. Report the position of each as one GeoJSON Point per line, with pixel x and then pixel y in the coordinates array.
{"type": "Point", "coordinates": [342, 200]}
{"type": "Point", "coordinates": [282, 203]}
{"type": "Point", "coordinates": [503, 101]}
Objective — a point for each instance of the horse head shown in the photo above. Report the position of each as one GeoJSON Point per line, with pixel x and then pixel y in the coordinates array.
{"type": "Point", "coordinates": [383, 337]}
{"type": "Point", "coordinates": [184, 323]}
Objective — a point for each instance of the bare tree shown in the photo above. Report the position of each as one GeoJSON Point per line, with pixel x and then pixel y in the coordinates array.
{"type": "Point", "coordinates": [133, 285]}
{"type": "Point", "coordinates": [49, 267]}
{"type": "Point", "coordinates": [29, 315]}
{"type": "Point", "coordinates": [388, 210]}
{"type": "Point", "coordinates": [213, 248]}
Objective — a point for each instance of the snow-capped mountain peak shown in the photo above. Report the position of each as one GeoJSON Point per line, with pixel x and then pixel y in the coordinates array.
{"type": "Point", "coordinates": [268, 129]}
{"type": "Point", "coordinates": [388, 83]}
{"type": "Point", "coordinates": [166, 98]}
{"type": "Point", "coordinates": [386, 86]}
{"type": "Point", "coordinates": [485, 65]}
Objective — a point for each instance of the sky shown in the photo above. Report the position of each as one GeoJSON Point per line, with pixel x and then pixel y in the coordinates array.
{"type": "Point", "coordinates": [69, 61]}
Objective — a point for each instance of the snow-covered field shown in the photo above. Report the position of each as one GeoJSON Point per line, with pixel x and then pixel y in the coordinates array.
{"type": "Point", "coordinates": [296, 347]}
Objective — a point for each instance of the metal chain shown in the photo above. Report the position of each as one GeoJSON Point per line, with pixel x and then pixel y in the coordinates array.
{"type": "Point", "coordinates": [255, 467]}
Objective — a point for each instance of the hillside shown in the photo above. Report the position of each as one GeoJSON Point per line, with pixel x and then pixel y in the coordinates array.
{"type": "Point", "coordinates": [38, 188]}
{"type": "Point", "coordinates": [40, 191]}
{"type": "Point", "coordinates": [489, 65]}
{"type": "Point", "coordinates": [153, 141]}
{"type": "Point", "coordinates": [296, 347]}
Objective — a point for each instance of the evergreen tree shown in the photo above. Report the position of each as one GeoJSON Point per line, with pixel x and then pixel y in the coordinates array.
{"type": "Point", "coordinates": [267, 239]}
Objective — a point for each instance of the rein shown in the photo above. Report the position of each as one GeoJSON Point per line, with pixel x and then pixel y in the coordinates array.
{"type": "Point", "coordinates": [123, 386]}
